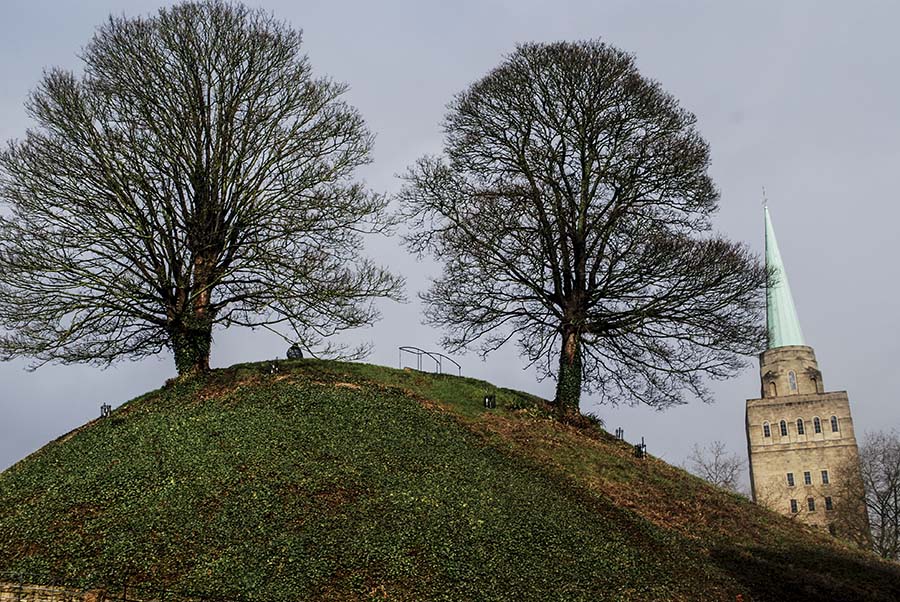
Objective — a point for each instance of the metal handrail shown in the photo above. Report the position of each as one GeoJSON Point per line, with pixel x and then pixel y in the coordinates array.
{"type": "Point", "coordinates": [449, 359]}
{"type": "Point", "coordinates": [434, 355]}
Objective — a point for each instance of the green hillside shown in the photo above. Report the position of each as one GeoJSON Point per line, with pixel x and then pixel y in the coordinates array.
{"type": "Point", "coordinates": [333, 481]}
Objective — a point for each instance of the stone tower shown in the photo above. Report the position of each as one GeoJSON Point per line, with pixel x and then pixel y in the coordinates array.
{"type": "Point", "coordinates": [800, 438]}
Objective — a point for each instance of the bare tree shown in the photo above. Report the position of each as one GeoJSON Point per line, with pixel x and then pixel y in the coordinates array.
{"type": "Point", "coordinates": [196, 175]}
{"type": "Point", "coordinates": [868, 506]}
{"type": "Point", "coordinates": [571, 212]}
{"type": "Point", "coordinates": [715, 464]}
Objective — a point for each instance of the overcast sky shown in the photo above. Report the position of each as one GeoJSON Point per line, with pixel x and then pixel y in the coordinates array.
{"type": "Point", "coordinates": [800, 97]}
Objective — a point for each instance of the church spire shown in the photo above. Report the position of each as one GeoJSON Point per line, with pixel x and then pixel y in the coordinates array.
{"type": "Point", "coordinates": [781, 315]}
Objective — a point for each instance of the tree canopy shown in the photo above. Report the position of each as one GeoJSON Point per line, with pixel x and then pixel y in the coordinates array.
{"type": "Point", "coordinates": [571, 210]}
{"type": "Point", "coordinates": [196, 175]}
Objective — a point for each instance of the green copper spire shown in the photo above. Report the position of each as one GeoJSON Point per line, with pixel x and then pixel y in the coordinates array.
{"type": "Point", "coordinates": [781, 315]}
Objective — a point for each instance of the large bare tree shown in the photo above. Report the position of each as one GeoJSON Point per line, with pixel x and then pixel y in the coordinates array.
{"type": "Point", "coordinates": [197, 174]}
{"type": "Point", "coordinates": [571, 211]}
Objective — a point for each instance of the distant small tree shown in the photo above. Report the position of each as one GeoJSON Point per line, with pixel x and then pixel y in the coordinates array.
{"type": "Point", "coordinates": [868, 504]}
{"type": "Point", "coordinates": [715, 464]}
{"type": "Point", "coordinates": [196, 175]}
{"type": "Point", "coordinates": [571, 211]}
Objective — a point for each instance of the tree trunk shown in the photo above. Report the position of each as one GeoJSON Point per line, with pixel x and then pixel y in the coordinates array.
{"type": "Point", "coordinates": [191, 333]}
{"type": "Point", "coordinates": [191, 342]}
{"type": "Point", "coordinates": [568, 383]}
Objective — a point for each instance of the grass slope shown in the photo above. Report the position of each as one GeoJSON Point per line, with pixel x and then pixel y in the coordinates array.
{"type": "Point", "coordinates": [338, 481]}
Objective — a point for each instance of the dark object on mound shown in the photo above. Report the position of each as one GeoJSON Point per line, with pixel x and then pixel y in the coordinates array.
{"type": "Point", "coordinates": [295, 353]}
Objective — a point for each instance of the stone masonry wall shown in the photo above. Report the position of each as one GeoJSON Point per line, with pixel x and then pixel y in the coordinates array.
{"type": "Point", "coordinates": [773, 457]}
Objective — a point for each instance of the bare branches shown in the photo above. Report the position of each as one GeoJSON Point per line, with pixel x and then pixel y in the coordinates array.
{"type": "Point", "coordinates": [572, 204]}
{"type": "Point", "coordinates": [198, 174]}
{"type": "Point", "coordinates": [715, 464]}
{"type": "Point", "coordinates": [869, 510]}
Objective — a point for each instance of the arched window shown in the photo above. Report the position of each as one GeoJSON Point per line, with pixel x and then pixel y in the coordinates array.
{"type": "Point", "coordinates": [817, 424]}
{"type": "Point", "coordinates": [783, 428]}
{"type": "Point", "coordinates": [800, 430]}
{"type": "Point", "coordinates": [834, 424]}
{"type": "Point", "coordinates": [767, 432]}
{"type": "Point", "coordinates": [772, 390]}
{"type": "Point", "coordinates": [792, 379]}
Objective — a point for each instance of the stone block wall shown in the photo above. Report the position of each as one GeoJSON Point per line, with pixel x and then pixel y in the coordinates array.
{"type": "Point", "coordinates": [773, 457]}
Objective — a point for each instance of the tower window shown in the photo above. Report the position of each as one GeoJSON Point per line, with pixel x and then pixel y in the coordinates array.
{"type": "Point", "coordinates": [825, 477]}
{"type": "Point", "coordinates": [817, 424]}
{"type": "Point", "coordinates": [811, 504]}
{"type": "Point", "coordinates": [807, 478]}
{"type": "Point", "coordinates": [767, 432]}
{"type": "Point", "coordinates": [783, 428]}
{"type": "Point", "coordinates": [790, 479]}
{"type": "Point", "coordinates": [773, 392]}
{"type": "Point", "coordinates": [828, 504]}
{"type": "Point", "coordinates": [834, 424]}
{"type": "Point", "coordinates": [792, 379]}
{"type": "Point", "coordinates": [794, 506]}
{"type": "Point", "coordinates": [800, 429]}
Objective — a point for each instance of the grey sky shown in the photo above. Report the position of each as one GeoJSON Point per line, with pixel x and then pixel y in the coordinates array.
{"type": "Point", "coordinates": [800, 97]}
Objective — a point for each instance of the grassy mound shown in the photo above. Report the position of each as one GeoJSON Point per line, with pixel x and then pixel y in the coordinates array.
{"type": "Point", "coordinates": [340, 481]}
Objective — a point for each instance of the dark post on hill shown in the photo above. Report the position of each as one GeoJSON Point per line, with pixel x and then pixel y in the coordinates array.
{"type": "Point", "coordinates": [571, 210]}
{"type": "Point", "coordinates": [196, 175]}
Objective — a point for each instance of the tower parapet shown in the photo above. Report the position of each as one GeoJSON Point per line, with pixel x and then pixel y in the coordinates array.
{"type": "Point", "coordinates": [789, 370]}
